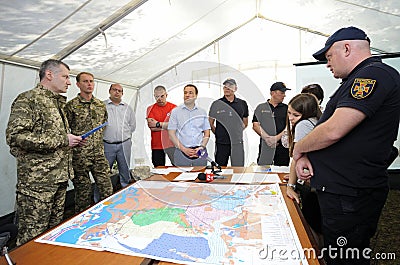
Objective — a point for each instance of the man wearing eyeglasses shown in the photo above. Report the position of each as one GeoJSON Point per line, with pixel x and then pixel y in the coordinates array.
{"type": "Point", "coordinates": [157, 120]}
{"type": "Point", "coordinates": [118, 133]}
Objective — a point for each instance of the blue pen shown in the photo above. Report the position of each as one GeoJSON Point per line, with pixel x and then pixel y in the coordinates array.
{"type": "Point", "coordinates": [86, 135]}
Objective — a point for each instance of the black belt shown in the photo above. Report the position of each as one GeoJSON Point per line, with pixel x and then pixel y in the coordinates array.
{"type": "Point", "coordinates": [120, 142]}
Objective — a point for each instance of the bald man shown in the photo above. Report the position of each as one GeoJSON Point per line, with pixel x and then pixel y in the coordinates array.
{"type": "Point", "coordinates": [346, 154]}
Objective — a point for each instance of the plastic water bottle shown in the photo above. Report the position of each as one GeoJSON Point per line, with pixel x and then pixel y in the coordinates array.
{"type": "Point", "coordinates": [285, 139]}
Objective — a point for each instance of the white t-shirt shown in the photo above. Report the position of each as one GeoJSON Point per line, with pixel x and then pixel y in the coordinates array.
{"type": "Point", "coordinates": [303, 128]}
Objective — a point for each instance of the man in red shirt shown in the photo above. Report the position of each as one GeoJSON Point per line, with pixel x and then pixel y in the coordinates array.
{"type": "Point", "coordinates": [157, 120]}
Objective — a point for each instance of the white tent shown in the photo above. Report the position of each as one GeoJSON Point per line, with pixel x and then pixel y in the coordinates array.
{"type": "Point", "coordinates": [141, 44]}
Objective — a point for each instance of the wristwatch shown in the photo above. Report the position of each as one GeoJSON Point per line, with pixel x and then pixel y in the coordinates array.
{"type": "Point", "coordinates": [158, 125]}
{"type": "Point", "coordinates": [293, 186]}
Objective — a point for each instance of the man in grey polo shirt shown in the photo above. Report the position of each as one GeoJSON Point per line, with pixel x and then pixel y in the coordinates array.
{"type": "Point", "coordinates": [118, 132]}
{"type": "Point", "coordinates": [189, 130]}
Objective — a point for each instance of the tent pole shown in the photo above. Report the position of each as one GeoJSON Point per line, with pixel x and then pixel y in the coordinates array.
{"type": "Point", "coordinates": [117, 16]}
{"type": "Point", "coordinates": [201, 49]}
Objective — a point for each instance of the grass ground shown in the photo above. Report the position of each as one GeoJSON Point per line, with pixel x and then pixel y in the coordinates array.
{"type": "Point", "coordinates": [387, 237]}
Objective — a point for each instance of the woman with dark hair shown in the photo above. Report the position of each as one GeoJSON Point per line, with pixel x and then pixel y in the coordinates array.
{"type": "Point", "coordinates": [316, 90]}
{"type": "Point", "coordinates": [302, 107]}
{"type": "Point", "coordinates": [303, 114]}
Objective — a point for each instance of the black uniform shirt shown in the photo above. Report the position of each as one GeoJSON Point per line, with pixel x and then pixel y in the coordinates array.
{"type": "Point", "coordinates": [229, 118]}
{"type": "Point", "coordinates": [272, 119]}
{"type": "Point", "coordinates": [358, 159]}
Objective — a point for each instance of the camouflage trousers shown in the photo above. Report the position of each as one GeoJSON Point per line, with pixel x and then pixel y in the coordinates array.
{"type": "Point", "coordinates": [101, 174]}
{"type": "Point", "coordinates": [38, 213]}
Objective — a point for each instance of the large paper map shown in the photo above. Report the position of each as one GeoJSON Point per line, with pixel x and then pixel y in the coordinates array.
{"type": "Point", "coordinates": [188, 223]}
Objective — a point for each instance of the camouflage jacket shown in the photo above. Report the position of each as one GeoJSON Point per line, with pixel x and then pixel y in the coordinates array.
{"type": "Point", "coordinates": [83, 116]}
{"type": "Point", "coordinates": [37, 135]}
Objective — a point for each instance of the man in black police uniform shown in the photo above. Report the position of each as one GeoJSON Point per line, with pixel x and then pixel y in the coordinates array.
{"type": "Point", "coordinates": [231, 114]}
{"type": "Point", "coordinates": [346, 154]}
{"type": "Point", "coordinates": [269, 122]}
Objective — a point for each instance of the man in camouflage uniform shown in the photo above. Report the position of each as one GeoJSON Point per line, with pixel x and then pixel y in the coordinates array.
{"type": "Point", "coordinates": [84, 113]}
{"type": "Point", "coordinates": [39, 137]}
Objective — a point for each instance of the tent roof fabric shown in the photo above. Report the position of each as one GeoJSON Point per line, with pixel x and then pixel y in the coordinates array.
{"type": "Point", "coordinates": [132, 42]}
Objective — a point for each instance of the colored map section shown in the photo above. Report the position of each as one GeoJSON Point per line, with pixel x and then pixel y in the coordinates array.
{"type": "Point", "coordinates": [187, 223]}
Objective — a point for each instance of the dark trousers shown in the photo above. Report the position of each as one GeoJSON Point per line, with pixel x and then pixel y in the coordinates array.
{"type": "Point", "coordinates": [310, 207]}
{"type": "Point", "coordinates": [181, 160]}
{"type": "Point", "coordinates": [348, 223]}
{"type": "Point", "coordinates": [278, 156]}
{"type": "Point", "coordinates": [158, 156]}
{"type": "Point", "coordinates": [235, 151]}
{"type": "Point", "coordinates": [120, 152]}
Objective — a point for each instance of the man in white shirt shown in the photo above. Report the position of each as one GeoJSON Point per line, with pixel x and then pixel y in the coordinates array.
{"type": "Point", "coordinates": [118, 132]}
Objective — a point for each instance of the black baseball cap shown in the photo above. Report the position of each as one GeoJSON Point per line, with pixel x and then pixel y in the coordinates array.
{"type": "Point", "coordinates": [279, 86]}
{"type": "Point", "coordinates": [350, 33]}
{"type": "Point", "coordinates": [229, 81]}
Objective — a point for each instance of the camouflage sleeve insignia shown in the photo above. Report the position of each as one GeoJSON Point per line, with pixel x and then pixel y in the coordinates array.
{"type": "Point", "coordinates": [362, 88]}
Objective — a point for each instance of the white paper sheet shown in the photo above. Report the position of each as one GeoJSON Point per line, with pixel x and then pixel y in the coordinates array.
{"type": "Point", "coordinates": [255, 178]}
{"type": "Point", "coordinates": [226, 171]}
{"type": "Point", "coordinates": [280, 169]}
{"type": "Point", "coordinates": [187, 176]}
{"type": "Point", "coordinates": [166, 171]}
{"type": "Point", "coordinates": [261, 169]}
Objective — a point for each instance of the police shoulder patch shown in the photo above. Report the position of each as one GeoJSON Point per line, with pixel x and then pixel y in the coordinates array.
{"type": "Point", "coordinates": [362, 88]}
